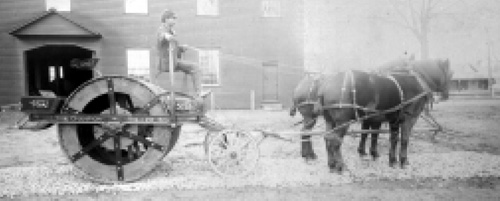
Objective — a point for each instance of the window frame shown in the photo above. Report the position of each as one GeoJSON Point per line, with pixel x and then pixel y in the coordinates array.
{"type": "Point", "coordinates": [140, 12]}
{"type": "Point", "coordinates": [271, 8]}
{"type": "Point", "coordinates": [216, 65]}
{"type": "Point", "coordinates": [130, 64]}
{"type": "Point", "coordinates": [204, 11]}
{"type": "Point", "coordinates": [55, 4]}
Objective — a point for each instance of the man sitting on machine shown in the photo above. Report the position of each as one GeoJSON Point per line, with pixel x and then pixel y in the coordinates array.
{"type": "Point", "coordinates": [166, 37]}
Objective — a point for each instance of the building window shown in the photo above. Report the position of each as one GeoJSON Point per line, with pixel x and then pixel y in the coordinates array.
{"type": "Point", "coordinates": [136, 6]}
{"type": "Point", "coordinates": [210, 66]}
{"type": "Point", "coordinates": [464, 85]}
{"type": "Point", "coordinates": [53, 73]}
{"type": "Point", "coordinates": [138, 63]}
{"type": "Point", "coordinates": [271, 8]}
{"type": "Point", "coordinates": [483, 84]}
{"type": "Point", "coordinates": [59, 5]}
{"type": "Point", "coordinates": [208, 7]}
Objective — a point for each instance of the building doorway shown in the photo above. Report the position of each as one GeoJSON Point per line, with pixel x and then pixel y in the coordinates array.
{"type": "Point", "coordinates": [48, 69]}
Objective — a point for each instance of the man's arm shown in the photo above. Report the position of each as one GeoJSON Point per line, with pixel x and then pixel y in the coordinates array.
{"type": "Point", "coordinates": [168, 36]}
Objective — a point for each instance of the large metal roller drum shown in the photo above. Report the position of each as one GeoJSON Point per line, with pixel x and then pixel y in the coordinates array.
{"type": "Point", "coordinates": [101, 150]}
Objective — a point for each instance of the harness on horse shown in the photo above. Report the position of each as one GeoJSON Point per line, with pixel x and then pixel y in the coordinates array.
{"type": "Point", "coordinates": [372, 109]}
{"type": "Point", "coordinates": [310, 99]}
{"type": "Point", "coordinates": [369, 109]}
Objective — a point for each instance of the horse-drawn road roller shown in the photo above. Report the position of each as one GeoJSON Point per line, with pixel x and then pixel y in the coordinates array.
{"type": "Point", "coordinates": [118, 128]}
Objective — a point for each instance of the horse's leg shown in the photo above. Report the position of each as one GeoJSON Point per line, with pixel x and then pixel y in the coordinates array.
{"type": "Point", "coordinates": [307, 147]}
{"type": "Point", "coordinates": [307, 151]}
{"type": "Point", "coordinates": [405, 139]}
{"type": "Point", "coordinates": [333, 142]}
{"type": "Point", "coordinates": [361, 147]}
{"type": "Point", "coordinates": [374, 140]}
{"type": "Point", "coordinates": [393, 138]}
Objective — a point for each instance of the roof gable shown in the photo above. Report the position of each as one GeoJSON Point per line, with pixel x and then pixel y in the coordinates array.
{"type": "Point", "coordinates": [53, 24]}
{"type": "Point", "coordinates": [470, 71]}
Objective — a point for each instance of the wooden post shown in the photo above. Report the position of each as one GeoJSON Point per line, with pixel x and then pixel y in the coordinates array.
{"type": "Point", "coordinates": [490, 71]}
{"type": "Point", "coordinates": [252, 99]}
{"type": "Point", "coordinates": [212, 101]}
{"type": "Point", "coordinates": [172, 77]}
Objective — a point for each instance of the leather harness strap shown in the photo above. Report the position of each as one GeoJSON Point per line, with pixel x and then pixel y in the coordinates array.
{"type": "Point", "coordinates": [421, 81]}
{"type": "Point", "coordinates": [355, 106]}
{"type": "Point", "coordinates": [401, 93]}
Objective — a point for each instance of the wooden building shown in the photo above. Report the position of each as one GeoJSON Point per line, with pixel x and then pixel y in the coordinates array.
{"type": "Point", "coordinates": [251, 51]}
{"type": "Point", "coordinates": [474, 80]}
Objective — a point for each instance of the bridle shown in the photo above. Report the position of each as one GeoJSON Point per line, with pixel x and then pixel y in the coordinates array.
{"type": "Point", "coordinates": [440, 86]}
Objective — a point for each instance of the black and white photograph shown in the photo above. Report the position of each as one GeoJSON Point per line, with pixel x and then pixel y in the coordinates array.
{"type": "Point", "coordinates": [250, 100]}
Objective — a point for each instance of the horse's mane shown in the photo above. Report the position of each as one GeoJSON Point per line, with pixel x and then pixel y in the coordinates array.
{"type": "Point", "coordinates": [440, 65]}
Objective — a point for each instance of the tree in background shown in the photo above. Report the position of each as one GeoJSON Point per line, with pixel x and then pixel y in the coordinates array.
{"type": "Point", "coordinates": [415, 16]}
{"type": "Point", "coordinates": [420, 17]}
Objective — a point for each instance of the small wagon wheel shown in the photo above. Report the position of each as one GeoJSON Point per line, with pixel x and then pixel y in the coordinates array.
{"type": "Point", "coordinates": [233, 153]}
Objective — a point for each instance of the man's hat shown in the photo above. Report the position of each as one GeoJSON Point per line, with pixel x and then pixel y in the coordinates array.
{"type": "Point", "coordinates": [167, 14]}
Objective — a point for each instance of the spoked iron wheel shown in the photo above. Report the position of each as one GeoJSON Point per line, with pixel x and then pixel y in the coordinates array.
{"type": "Point", "coordinates": [114, 152]}
{"type": "Point", "coordinates": [233, 153]}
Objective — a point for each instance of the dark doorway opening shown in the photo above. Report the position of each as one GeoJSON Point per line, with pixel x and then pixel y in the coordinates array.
{"type": "Point", "coordinates": [48, 69]}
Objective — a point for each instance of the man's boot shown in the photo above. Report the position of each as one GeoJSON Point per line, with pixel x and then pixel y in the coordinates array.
{"type": "Point", "coordinates": [204, 94]}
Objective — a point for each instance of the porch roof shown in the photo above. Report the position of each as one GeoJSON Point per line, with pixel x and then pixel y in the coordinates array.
{"type": "Point", "coordinates": [53, 24]}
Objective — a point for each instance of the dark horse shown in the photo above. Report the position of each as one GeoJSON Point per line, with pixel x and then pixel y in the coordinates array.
{"type": "Point", "coordinates": [306, 101]}
{"type": "Point", "coordinates": [351, 96]}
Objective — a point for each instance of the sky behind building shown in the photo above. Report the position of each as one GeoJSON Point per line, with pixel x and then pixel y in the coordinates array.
{"type": "Point", "coordinates": [350, 34]}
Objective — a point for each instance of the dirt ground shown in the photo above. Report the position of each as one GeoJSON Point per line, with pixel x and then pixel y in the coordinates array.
{"type": "Point", "coordinates": [470, 125]}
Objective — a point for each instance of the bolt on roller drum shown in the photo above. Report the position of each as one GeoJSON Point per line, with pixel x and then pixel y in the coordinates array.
{"type": "Point", "coordinates": [113, 152]}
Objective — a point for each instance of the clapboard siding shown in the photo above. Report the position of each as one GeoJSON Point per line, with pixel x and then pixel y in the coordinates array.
{"type": "Point", "coordinates": [238, 32]}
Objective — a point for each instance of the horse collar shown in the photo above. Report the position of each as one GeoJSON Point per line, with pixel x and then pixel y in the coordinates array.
{"type": "Point", "coordinates": [400, 90]}
{"type": "Point", "coordinates": [421, 81]}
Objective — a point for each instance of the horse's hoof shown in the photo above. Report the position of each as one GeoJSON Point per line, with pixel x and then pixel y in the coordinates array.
{"type": "Point", "coordinates": [335, 171]}
{"type": "Point", "coordinates": [361, 153]}
{"type": "Point", "coordinates": [309, 160]}
{"type": "Point", "coordinates": [337, 168]}
{"type": "Point", "coordinates": [392, 163]}
{"type": "Point", "coordinates": [309, 157]}
{"type": "Point", "coordinates": [375, 155]}
{"type": "Point", "coordinates": [404, 163]}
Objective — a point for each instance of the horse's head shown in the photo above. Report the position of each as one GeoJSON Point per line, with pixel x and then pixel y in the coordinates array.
{"type": "Point", "coordinates": [306, 93]}
{"type": "Point", "coordinates": [437, 74]}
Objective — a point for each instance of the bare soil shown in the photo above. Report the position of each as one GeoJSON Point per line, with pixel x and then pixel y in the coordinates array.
{"type": "Point", "coordinates": [470, 125]}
